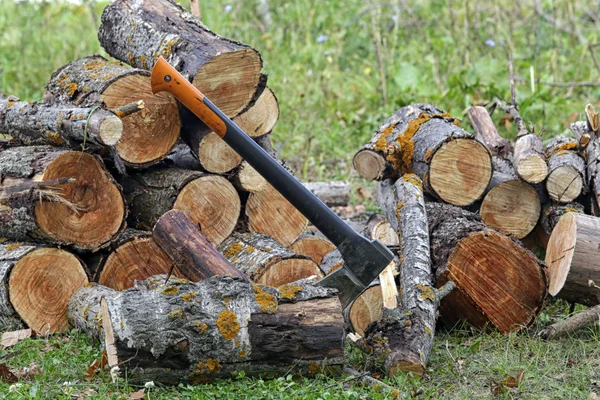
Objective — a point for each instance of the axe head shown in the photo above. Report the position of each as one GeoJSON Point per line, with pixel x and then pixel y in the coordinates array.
{"type": "Point", "coordinates": [363, 262]}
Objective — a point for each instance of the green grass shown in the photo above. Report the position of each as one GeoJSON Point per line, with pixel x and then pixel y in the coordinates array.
{"type": "Point", "coordinates": [330, 95]}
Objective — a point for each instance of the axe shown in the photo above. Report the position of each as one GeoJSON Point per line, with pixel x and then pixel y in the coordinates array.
{"type": "Point", "coordinates": [363, 259]}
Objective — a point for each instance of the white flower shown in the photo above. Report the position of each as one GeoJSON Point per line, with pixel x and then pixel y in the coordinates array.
{"type": "Point", "coordinates": [149, 385]}
{"type": "Point", "coordinates": [228, 8]}
{"type": "Point", "coordinates": [114, 373]}
{"type": "Point", "coordinates": [14, 387]}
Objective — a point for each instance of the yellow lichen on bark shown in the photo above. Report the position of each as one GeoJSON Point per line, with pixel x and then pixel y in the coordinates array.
{"type": "Point", "coordinates": [94, 64]}
{"type": "Point", "coordinates": [243, 354]}
{"type": "Point", "coordinates": [233, 250]}
{"type": "Point", "coordinates": [170, 290]}
{"type": "Point", "coordinates": [335, 267]}
{"type": "Point", "coordinates": [203, 327]}
{"type": "Point", "coordinates": [414, 179]}
{"type": "Point", "coordinates": [427, 292]}
{"type": "Point", "coordinates": [402, 161]}
{"type": "Point", "coordinates": [13, 246]}
{"type": "Point", "coordinates": [188, 296]}
{"type": "Point", "coordinates": [381, 142]}
{"type": "Point", "coordinates": [266, 301]}
{"type": "Point", "coordinates": [249, 249]}
{"type": "Point", "coordinates": [562, 149]}
{"type": "Point", "coordinates": [313, 369]}
{"type": "Point", "coordinates": [213, 365]}
{"type": "Point", "coordinates": [289, 291]}
{"type": "Point", "coordinates": [228, 324]}
{"type": "Point", "coordinates": [176, 314]}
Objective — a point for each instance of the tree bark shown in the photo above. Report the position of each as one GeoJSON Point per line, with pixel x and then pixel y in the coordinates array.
{"type": "Point", "coordinates": [43, 310]}
{"type": "Point", "coordinates": [419, 138]}
{"type": "Point", "coordinates": [216, 328]}
{"type": "Point", "coordinates": [573, 259]}
{"type": "Point", "coordinates": [529, 159]}
{"type": "Point", "coordinates": [553, 211]}
{"type": "Point", "coordinates": [592, 160]}
{"type": "Point", "coordinates": [333, 193]}
{"type": "Point", "coordinates": [83, 309]}
{"type": "Point", "coordinates": [587, 317]}
{"type": "Point", "coordinates": [209, 200]}
{"type": "Point", "coordinates": [139, 32]}
{"type": "Point", "coordinates": [486, 133]}
{"type": "Point", "coordinates": [188, 249]}
{"type": "Point", "coordinates": [498, 282]}
{"type": "Point", "coordinates": [566, 170]}
{"type": "Point", "coordinates": [149, 135]}
{"type": "Point", "coordinates": [265, 261]}
{"type": "Point", "coordinates": [58, 125]}
{"type": "Point", "coordinates": [81, 205]}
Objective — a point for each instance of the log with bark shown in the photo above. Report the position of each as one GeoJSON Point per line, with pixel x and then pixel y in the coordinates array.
{"type": "Point", "coordinates": [265, 261]}
{"type": "Point", "coordinates": [209, 200]}
{"type": "Point", "coordinates": [216, 328]}
{"type": "Point", "coordinates": [486, 133]}
{"type": "Point", "coordinates": [58, 196]}
{"type": "Point", "coordinates": [139, 32]}
{"type": "Point", "coordinates": [420, 138]}
{"type": "Point", "coordinates": [333, 193]}
{"type": "Point", "coordinates": [83, 309]}
{"type": "Point", "coordinates": [553, 211]}
{"type": "Point", "coordinates": [148, 135]}
{"type": "Point", "coordinates": [58, 125]}
{"type": "Point", "coordinates": [37, 283]}
{"type": "Point", "coordinates": [270, 213]}
{"type": "Point", "coordinates": [587, 317]}
{"type": "Point", "coordinates": [592, 151]}
{"type": "Point", "coordinates": [566, 170]}
{"type": "Point", "coordinates": [574, 260]}
{"type": "Point", "coordinates": [181, 240]}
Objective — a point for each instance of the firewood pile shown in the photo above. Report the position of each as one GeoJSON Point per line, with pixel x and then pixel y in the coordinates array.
{"type": "Point", "coordinates": [124, 216]}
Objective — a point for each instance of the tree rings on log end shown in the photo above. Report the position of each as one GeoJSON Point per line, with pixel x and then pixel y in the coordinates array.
{"type": "Point", "coordinates": [149, 134]}
{"type": "Point", "coordinates": [564, 184]}
{"type": "Point", "coordinates": [261, 118]}
{"type": "Point", "coordinates": [460, 171]}
{"type": "Point", "coordinates": [366, 308]}
{"type": "Point", "coordinates": [216, 155]}
{"type": "Point", "coordinates": [135, 260]}
{"type": "Point", "coordinates": [41, 284]}
{"type": "Point", "coordinates": [111, 130]}
{"type": "Point", "coordinates": [532, 169]}
{"type": "Point", "coordinates": [213, 203]}
{"type": "Point", "coordinates": [87, 212]}
{"type": "Point", "coordinates": [287, 271]}
{"type": "Point", "coordinates": [369, 164]}
{"type": "Point", "coordinates": [314, 247]}
{"type": "Point", "coordinates": [511, 207]}
{"type": "Point", "coordinates": [496, 279]}
{"type": "Point", "coordinates": [230, 79]}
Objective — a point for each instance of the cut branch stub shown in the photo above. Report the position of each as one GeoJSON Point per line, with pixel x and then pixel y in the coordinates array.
{"type": "Point", "coordinates": [265, 261]}
{"type": "Point", "coordinates": [148, 135]}
{"type": "Point", "coordinates": [422, 139]}
{"type": "Point", "coordinates": [574, 260]}
{"type": "Point", "coordinates": [139, 32]}
{"type": "Point", "coordinates": [486, 132]}
{"type": "Point", "coordinates": [86, 212]}
{"type": "Point", "coordinates": [566, 170]}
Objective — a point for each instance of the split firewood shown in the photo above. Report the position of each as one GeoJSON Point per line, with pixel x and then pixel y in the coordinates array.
{"type": "Point", "coordinates": [313, 246]}
{"type": "Point", "coordinates": [265, 261]}
{"type": "Point", "coordinates": [573, 259]}
{"type": "Point", "coordinates": [58, 125]}
{"type": "Point", "coordinates": [529, 158]}
{"type": "Point", "coordinates": [27, 272]}
{"type": "Point", "coordinates": [334, 193]}
{"type": "Point", "coordinates": [139, 32]}
{"type": "Point", "coordinates": [566, 170]}
{"type": "Point", "coordinates": [420, 138]}
{"type": "Point", "coordinates": [588, 317]}
{"type": "Point", "coordinates": [553, 211]}
{"type": "Point", "coordinates": [84, 209]}
{"type": "Point", "coordinates": [247, 179]}
{"type": "Point", "coordinates": [498, 282]}
{"type": "Point", "coordinates": [269, 212]}
{"type": "Point", "coordinates": [135, 257]}
{"type": "Point", "coordinates": [148, 135]}
{"type": "Point", "coordinates": [486, 133]}
{"type": "Point", "coordinates": [188, 249]}
{"type": "Point", "coordinates": [209, 200]}
{"type": "Point", "coordinates": [216, 328]}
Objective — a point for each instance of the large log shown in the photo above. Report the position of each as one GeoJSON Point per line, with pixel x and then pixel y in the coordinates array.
{"type": "Point", "coordinates": [188, 249]}
{"type": "Point", "coordinates": [566, 170]}
{"type": "Point", "coordinates": [497, 281]}
{"type": "Point", "coordinates": [81, 205]}
{"type": "Point", "coordinates": [149, 134]}
{"type": "Point", "coordinates": [216, 328]}
{"type": "Point", "coordinates": [265, 261]}
{"type": "Point", "coordinates": [420, 138]}
{"type": "Point", "coordinates": [139, 32]}
{"type": "Point", "coordinates": [209, 200]}
{"type": "Point", "coordinates": [269, 212]}
{"type": "Point", "coordinates": [58, 125]}
{"type": "Point", "coordinates": [83, 309]}
{"type": "Point", "coordinates": [37, 283]}
{"type": "Point", "coordinates": [574, 260]}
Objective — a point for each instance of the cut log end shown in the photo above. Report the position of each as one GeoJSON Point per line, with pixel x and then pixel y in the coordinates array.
{"type": "Point", "coordinates": [560, 251]}
{"type": "Point", "coordinates": [151, 133]}
{"type": "Point", "coordinates": [412, 364]}
{"type": "Point", "coordinates": [216, 155]}
{"type": "Point", "coordinates": [564, 184]}
{"type": "Point", "coordinates": [41, 285]}
{"type": "Point", "coordinates": [137, 259]}
{"type": "Point", "coordinates": [110, 130]}
{"type": "Point", "coordinates": [260, 119]}
{"type": "Point", "coordinates": [313, 246]}
{"type": "Point", "coordinates": [511, 207]}
{"type": "Point", "coordinates": [532, 169]}
{"type": "Point", "coordinates": [89, 211]}
{"type": "Point", "coordinates": [290, 270]}
{"type": "Point", "coordinates": [213, 203]}
{"type": "Point", "coordinates": [365, 309]}
{"type": "Point", "coordinates": [247, 179]}
{"type": "Point", "coordinates": [238, 75]}
{"type": "Point", "coordinates": [460, 171]}
{"type": "Point", "coordinates": [369, 164]}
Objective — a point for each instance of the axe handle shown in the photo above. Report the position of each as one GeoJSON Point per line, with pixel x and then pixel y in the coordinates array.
{"type": "Point", "coordinates": [166, 78]}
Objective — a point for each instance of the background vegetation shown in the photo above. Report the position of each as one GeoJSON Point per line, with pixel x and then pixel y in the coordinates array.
{"type": "Point", "coordinates": [339, 68]}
